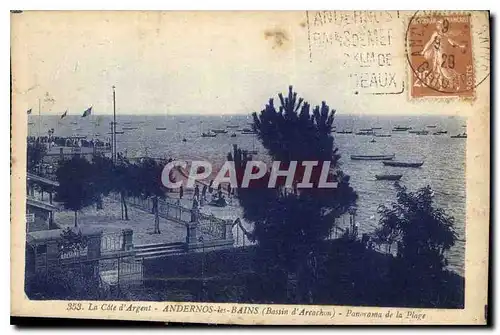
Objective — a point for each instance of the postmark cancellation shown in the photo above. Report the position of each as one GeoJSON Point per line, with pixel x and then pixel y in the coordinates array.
{"type": "Point", "coordinates": [439, 49]}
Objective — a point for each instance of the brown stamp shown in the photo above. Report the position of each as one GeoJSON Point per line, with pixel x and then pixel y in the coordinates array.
{"type": "Point", "coordinates": [439, 52]}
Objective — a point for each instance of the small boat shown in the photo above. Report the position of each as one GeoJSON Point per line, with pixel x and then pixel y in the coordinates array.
{"type": "Point", "coordinates": [31, 123]}
{"type": "Point", "coordinates": [404, 164]}
{"type": "Point", "coordinates": [377, 128]}
{"type": "Point", "coordinates": [464, 135]}
{"type": "Point", "coordinates": [233, 135]}
{"type": "Point", "coordinates": [119, 132]}
{"type": "Point", "coordinates": [419, 132]}
{"type": "Point", "coordinates": [366, 129]}
{"type": "Point", "coordinates": [388, 176]}
{"type": "Point", "coordinates": [231, 126]}
{"type": "Point", "coordinates": [344, 132]}
{"type": "Point", "coordinates": [161, 128]}
{"type": "Point", "coordinates": [398, 128]}
{"type": "Point", "coordinates": [129, 128]}
{"type": "Point", "coordinates": [219, 131]}
{"type": "Point", "coordinates": [373, 140]}
{"type": "Point", "coordinates": [364, 133]}
{"type": "Point", "coordinates": [246, 129]}
{"type": "Point", "coordinates": [464, 126]}
{"type": "Point", "coordinates": [247, 132]}
{"type": "Point", "coordinates": [431, 126]}
{"type": "Point", "coordinates": [208, 135]}
{"type": "Point", "coordinates": [440, 132]}
{"type": "Point", "coordinates": [372, 157]}
{"type": "Point", "coordinates": [74, 122]}
{"type": "Point", "coordinates": [383, 135]}
{"type": "Point", "coordinates": [184, 140]}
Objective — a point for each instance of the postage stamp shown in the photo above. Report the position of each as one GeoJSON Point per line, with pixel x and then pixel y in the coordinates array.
{"type": "Point", "coordinates": [440, 55]}
{"type": "Point", "coordinates": [251, 167]}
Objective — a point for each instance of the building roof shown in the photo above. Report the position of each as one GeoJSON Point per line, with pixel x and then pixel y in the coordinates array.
{"type": "Point", "coordinates": [41, 180]}
{"type": "Point", "coordinates": [30, 201]}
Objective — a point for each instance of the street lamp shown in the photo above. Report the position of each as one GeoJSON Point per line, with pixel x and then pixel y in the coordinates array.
{"type": "Point", "coordinates": [200, 239]}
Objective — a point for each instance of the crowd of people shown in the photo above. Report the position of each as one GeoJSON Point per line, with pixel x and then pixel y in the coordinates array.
{"type": "Point", "coordinates": [77, 142]}
{"type": "Point", "coordinates": [201, 197]}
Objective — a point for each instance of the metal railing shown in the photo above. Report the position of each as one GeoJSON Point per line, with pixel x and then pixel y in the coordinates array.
{"type": "Point", "coordinates": [211, 225]}
{"type": "Point", "coordinates": [171, 209]}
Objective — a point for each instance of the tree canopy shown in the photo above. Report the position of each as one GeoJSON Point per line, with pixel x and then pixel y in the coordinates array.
{"type": "Point", "coordinates": [422, 231]}
{"type": "Point", "coordinates": [77, 188]}
{"type": "Point", "coordinates": [288, 226]}
{"type": "Point", "coordinates": [35, 153]}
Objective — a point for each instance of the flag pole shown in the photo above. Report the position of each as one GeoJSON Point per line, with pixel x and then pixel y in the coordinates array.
{"type": "Point", "coordinates": [114, 124]}
{"type": "Point", "coordinates": [39, 116]}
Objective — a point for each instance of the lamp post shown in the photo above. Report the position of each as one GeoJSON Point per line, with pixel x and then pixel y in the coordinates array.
{"type": "Point", "coordinates": [114, 124]}
{"type": "Point", "coordinates": [202, 267]}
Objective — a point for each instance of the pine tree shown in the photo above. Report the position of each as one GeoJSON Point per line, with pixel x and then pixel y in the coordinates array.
{"type": "Point", "coordinates": [290, 226]}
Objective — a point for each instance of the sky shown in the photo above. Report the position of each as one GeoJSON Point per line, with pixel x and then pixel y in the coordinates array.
{"type": "Point", "coordinates": [185, 63]}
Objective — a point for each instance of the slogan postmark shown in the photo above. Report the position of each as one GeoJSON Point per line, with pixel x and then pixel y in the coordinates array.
{"type": "Point", "coordinates": [440, 53]}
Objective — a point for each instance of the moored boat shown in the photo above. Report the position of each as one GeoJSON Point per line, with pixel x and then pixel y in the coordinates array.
{"type": "Point", "coordinates": [372, 157]}
{"type": "Point", "coordinates": [344, 132]}
{"type": "Point", "coordinates": [208, 135]}
{"type": "Point", "coordinates": [388, 176]}
{"type": "Point", "coordinates": [419, 132]}
{"type": "Point", "coordinates": [219, 131]}
{"type": "Point", "coordinates": [464, 135]}
{"type": "Point", "coordinates": [404, 164]}
{"type": "Point", "coordinates": [398, 128]}
{"type": "Point", "coordinates": [161, 128]}
{"type": "Point", "coordinates": [383, 135]}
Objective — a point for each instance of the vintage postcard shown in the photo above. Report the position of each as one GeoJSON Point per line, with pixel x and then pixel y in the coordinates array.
{"type": "Point", "coordinates": [281, 168]}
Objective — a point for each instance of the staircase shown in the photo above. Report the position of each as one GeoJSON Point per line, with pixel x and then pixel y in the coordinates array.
{"type": "Point", "coordinates": [157, 250]}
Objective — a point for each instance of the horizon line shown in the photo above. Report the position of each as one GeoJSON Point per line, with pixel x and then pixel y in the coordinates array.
{"type": "Point", "coordinates": [239, 114]}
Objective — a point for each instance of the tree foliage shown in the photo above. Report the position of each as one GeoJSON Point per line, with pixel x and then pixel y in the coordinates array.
{"type": "Point", "coordinates": [35, 153]}
{"type": "Point", "coordinates": [146, 180]}
{"type": "Point", "coordinates": [77, 188]}
{"type": "Point", "coordinates": [289, 226]}
{"type": "Point", "coordinates": [422, 231]}
{"type": "Point", "coordinates": [72, 241]}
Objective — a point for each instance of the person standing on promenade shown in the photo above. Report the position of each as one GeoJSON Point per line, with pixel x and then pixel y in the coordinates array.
{"type": "Point", "coordinates": [196, 192]}
{"type": "Point", "coordinates": [204, 192]}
